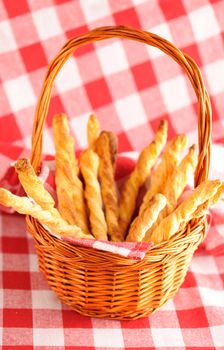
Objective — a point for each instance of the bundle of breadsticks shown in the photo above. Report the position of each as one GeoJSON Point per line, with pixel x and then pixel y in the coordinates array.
{"type": "Point", "coordinates": [89, 204]}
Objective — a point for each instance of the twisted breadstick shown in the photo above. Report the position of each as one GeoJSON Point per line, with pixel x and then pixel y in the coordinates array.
{"type": "Point", "coordinates": [67, 182]}
{"type": "Point", "coordinates": [89, 165]}
{"type": "Point", "coordinates": [137, 178]}
{"type": "Point", "coordinates": [166, 167]}
{"type": "Point", "coordinates": [65, 192]}
{"type": "Point", "coordinates": [64, 142]}
{"type": "Point", "coordinates": [113, 146]}
{"type": "Point", "coordinates": [184, 212]}
{"type": "Point", "coordinates": [66, 167]}
{"type": "Point", "coordinates": [146, 218]}
{"type": "Point", "coordinates": [34, 187]}
{"type": "Point", "coordinates": [76, 204]}
{"type": "Point", "coordinates": [24, 205]}
{"type": "Point", "coordinates": [108, 186]}
{"type": "Point", "coordinates": [177, 182]}
{"type": "Point", "coordinates": [93, 130]}
{"type": "Point", "coordinates": [175, 185]}
{"type": "Point", "coordinates": [66, 205]}
{"type": "Point", "coordinates": [203, 208]}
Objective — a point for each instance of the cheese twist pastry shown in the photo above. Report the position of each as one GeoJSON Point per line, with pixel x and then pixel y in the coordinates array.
{"type": "Point", "coordinates": [27, 206]}
{"type": "Point", "coordinates": [108, 186]}
{"type": "Point", "coordinates": [184, 212]}
{"type": "Point", "coordinates": [113, 147]}
{"type": "Point", "coordinates": [79, 204]}
{"type": "Point", "coordinates": [175, 185]}
{"type": "Point", "coordinates": [146, 218]}
{"type": "Point", "coordinates": [66, 205]}
{"type": "Point", "coordinates": [146, 160]}
{"type": "Point", "coordinates": [203, 208]}
{"type": "Point", "coordinates": [166, 167]}
{"type": "Point", "coordinates": [68, 184]}
{"type": "Point", "coordinates": [93, 130]}
{"type": "Point", "coordinates": [89, 166]}
{"type": "Point", "coordinates": [179, 179]}
{"type": "Point", "coordinates": [64, 142]}
{"type": "Point", "coordinates": [34, 187]}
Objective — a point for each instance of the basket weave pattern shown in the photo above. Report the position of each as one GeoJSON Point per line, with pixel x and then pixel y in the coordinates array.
{"type": "Point", "coordinates": [102, 284]}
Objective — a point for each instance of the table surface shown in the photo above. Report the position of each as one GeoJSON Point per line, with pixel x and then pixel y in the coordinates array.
{"type": "Point", "coordinates": [130, 87]}
{"type": "Point", "coordinates": [32, 316]}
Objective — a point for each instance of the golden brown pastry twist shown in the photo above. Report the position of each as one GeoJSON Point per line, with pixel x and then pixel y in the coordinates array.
{"type": "Point", "coordinates": [184, 212]}
{"type": "Point", "coordinates": [146, 218]}
{"type": "Point", "coordinates": [146, 160]}
{"type": "Point", "coordinates": [166, 167]}
{"type": "Point", "coordinates": [68, 184]}
{"type": "Point", "coordinates": [203, 208]}
{"type": "Point", "coordinates": [175, 185]}
{"type": "Point", "coordinates": [89, 165]}
{"type": "Point", "coordinates": [179, 179]}
{"type": "Point", "coordinates": [34, 187]}
{"type": "Point", "coordinates": [24, 205]}
{"type": "Point", "coordinates": [93, 130]}
{"type": "Point", "coordinates": [108, 186]}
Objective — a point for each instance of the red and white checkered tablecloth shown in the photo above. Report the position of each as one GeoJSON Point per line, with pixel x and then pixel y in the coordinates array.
{"type": "Point", "coordinates": [130, 87]}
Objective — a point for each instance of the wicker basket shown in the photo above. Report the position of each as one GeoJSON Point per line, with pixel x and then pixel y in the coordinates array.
{"type": "Point", "coordinates": [101, 284]}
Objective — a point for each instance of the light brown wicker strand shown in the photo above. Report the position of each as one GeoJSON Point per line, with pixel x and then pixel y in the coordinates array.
{"type": "Point", "coordinates": [102, 284]}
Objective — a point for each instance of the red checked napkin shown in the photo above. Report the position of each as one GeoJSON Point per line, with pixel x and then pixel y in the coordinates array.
{"type": "Point", "coordinates": [135, 250]}
{"type": "Point", "coordinates": [125, 164]}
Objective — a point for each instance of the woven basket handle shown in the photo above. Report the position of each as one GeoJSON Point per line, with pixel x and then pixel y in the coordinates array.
{"type": "Point", "coordinates": [186, 62]}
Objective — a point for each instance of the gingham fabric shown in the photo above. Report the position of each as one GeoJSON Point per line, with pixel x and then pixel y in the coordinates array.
{"type": "Point", "coordinates": [33, 318]}
{"type": "Point", "coordinates": [124, 165]}
{"type": "Point", "coordinates": [130, 87]}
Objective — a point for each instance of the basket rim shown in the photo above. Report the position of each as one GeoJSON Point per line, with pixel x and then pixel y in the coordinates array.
{"type": "Point", "coordinates": [186, 236]}
{"type": "Point", "coordinates": [185, 61]}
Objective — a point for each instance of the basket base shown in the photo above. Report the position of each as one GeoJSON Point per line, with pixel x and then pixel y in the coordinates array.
{"type": "Point", "coordinates": [99, 284]}
{"type": "Point", "coordinates": [125, 313]}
